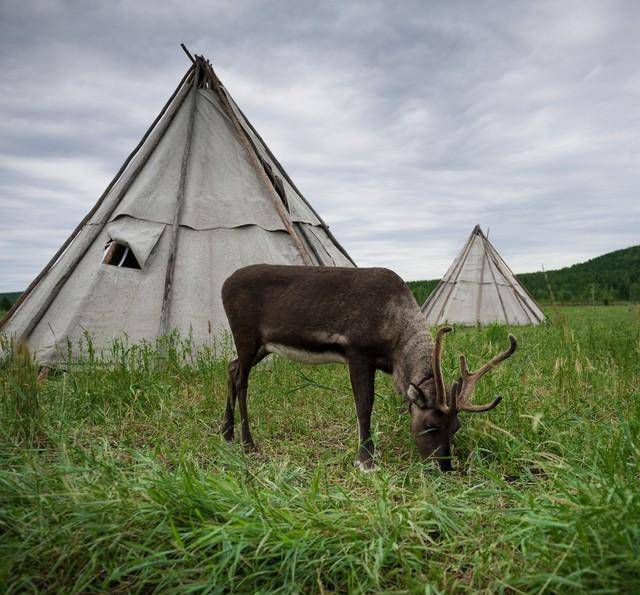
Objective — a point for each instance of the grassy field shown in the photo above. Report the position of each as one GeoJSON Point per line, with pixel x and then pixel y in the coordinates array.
{"type": "Point", "coordinates": [115, 478]}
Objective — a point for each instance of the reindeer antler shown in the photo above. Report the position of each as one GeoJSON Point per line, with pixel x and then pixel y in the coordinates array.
{"type": "Point", "coordinates": [469, 379]}
{"type": "Point", "coordinates": [441, 389]}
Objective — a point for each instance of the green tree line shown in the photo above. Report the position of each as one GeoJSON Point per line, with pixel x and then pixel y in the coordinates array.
{"type": "Point", "coordinates": [612, 277]}
{"type": "Point", "coordinates": [7, 300]}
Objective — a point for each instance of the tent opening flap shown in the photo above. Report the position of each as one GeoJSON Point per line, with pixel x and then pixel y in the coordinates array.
{"type": "Point", "coordinates": [135, 236]}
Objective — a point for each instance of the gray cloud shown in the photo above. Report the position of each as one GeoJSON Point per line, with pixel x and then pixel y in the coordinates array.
{"type": "Point", "coordinates": [405, 124]}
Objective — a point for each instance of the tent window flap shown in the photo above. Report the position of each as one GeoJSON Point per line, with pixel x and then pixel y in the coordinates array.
{"type": "Point", "coordinates": [131, 242]}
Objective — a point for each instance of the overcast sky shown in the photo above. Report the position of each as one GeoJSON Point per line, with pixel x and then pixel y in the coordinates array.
{"type": "Point", "coordinates": [403, 123]}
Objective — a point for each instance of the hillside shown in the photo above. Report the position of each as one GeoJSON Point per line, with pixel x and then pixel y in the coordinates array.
{"type": "Point", "coordinates": [422, 289]}
{"type": "Point", "coordinates": [7, 300]}
{"type": "Point", "coordinates": [612, 277]}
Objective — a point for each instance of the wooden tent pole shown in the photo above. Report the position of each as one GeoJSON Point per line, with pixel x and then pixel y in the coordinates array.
{"type": "Point", "coordinates": [437, 292]}
{"type": "Point", "coordinates": [428, 303]}
{"type": "Point", "coordinates": [495, 284]}
{"type": "Point", "coordinates": [314, 251]}
{"type": "Point", "coordinates": [75, 232]}
{"type": "Point", "coordinates": [173, 246]}
{"type": "Point", "coordinates": [284, 216]}
{"type": "Point", "coordinates": [479, 301]}
{"type": "Point", "coordinates": [508, 268]}
{"type": "Point", "coordinates": [296, 225]}
{"type": "Point", "coordinates": [186, 51]}
{"type": "Point", "coordinates": [72, 265]}
{"type": "Point", "coordinates": [456, 270]}
{"type": "Point", "coordinates": [490, 250]}
{"type": "Point", "coordinates": [523, 305]}
{"type": "Point", "coordinates": [324, 226]}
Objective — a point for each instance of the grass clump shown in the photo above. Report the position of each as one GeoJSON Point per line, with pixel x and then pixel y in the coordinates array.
{"type": "Point", "coordinates": [113, 476]}
{"type": "Point", "coordinates": [21, 411]}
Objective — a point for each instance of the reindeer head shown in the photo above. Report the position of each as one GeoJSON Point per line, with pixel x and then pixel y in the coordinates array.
{"type": "Point", "coordinates": [434, 406]}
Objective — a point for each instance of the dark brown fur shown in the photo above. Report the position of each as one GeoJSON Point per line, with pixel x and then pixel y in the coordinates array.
{"type": "Point", "coordinates": [368, 317]}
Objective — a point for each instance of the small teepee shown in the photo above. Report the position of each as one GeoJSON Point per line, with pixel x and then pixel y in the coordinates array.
{"type": "Point", "coordinates": [479, 288]}
{"type": "Point", "coordinates": [200, 196]}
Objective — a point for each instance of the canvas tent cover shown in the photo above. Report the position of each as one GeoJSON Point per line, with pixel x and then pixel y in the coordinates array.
{"type": "Point", "coordinates": [202, 169]}
{"type": "Point", "coordinates": [479, 288]}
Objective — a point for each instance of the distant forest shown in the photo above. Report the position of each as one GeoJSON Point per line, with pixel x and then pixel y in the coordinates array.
{"type": "Point", "coordinates": [612, 277]}
{"type": "Point", "coordinates": [7, 299]}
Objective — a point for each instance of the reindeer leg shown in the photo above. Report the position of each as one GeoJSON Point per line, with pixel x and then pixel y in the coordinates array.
{"type": "Point", "coordinates": [362, 377]}
{"type": "Point", "coordinates": [228, 422]}
{"type": "Point", "coordinates": [238, 379]}
{"type": "Point", "coordinates": [242, 381]}
{"type": "Point", "coordinates": [248, 356]}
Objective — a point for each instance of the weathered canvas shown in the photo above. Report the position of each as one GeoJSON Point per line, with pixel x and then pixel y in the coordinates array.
{"type": "Point", "coordinates": [479, 288]}
{"type": "Point", "coordinates": [202, 165]}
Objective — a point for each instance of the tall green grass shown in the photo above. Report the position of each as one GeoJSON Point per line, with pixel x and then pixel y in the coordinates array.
{"type": "Point", "coordinates": [113, 476]}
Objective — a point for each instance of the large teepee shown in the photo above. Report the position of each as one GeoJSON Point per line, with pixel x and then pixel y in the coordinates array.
{"type": "Point", "coordinates": [200, 196]}
{"type": "Point", "coordinates": [479, 288]}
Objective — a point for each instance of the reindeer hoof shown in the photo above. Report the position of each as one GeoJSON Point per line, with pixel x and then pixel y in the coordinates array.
{"type": "Point", "coordinates": [249, 447]}
{"type": "Point", "coordinates": [368, 467]}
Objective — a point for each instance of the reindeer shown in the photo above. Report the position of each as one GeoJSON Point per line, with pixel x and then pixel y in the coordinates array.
{"type": "Point", "coordinates": [366, 318]}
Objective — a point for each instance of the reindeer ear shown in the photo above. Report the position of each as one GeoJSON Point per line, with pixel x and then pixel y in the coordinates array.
{"type": "Point", "coordinates": [418, 398]}
{"type": "Point", "coordinates": [414, 395]}
{"type": "Point", "coordinates": [425, 399]}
